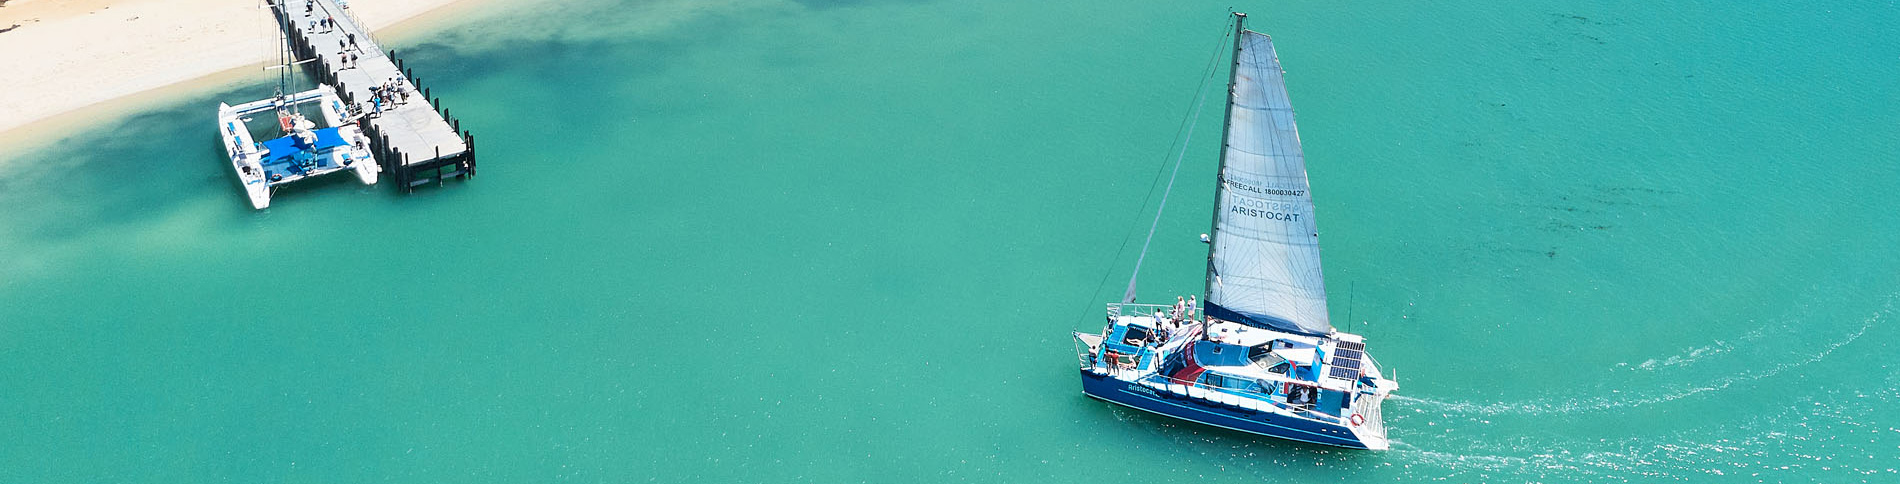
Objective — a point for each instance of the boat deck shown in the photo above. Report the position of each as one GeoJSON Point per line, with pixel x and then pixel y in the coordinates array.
{"type": "Point", "coordinates": [306, 151]}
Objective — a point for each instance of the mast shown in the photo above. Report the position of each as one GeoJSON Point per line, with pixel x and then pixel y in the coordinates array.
{"type": "Point", "coordinates": [283, 55]}
{"type": "Point", "coordinates": [1220, 183]}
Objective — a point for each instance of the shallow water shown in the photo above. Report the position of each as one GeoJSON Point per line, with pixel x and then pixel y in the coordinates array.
{"type": "Point", "coordinates": [826, 241]}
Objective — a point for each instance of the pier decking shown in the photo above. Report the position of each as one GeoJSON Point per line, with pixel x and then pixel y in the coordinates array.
{"type": "Point", "coordinates": [416, 141]}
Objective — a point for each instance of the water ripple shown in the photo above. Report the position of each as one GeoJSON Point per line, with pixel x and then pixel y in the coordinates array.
{"type": "Point", "coordinates": [1602, 403]}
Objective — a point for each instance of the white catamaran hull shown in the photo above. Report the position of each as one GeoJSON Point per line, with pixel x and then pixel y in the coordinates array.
{"type": "Point", "coordinates": [244, 156]}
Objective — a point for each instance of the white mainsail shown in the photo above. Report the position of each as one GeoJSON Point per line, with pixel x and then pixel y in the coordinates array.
{"type": "Point", "coordinates": [1263, 266]}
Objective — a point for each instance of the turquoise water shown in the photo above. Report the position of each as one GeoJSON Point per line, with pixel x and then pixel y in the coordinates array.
{"type": "Point", "coordinates": [843, 241]}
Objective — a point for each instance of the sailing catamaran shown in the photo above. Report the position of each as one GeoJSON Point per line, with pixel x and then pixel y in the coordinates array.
{"type": "Point", "coordinates": [1262, 357]}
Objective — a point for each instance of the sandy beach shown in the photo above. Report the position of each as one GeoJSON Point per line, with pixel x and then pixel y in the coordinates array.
{"type": "Point", "coordinates": [64, 55]}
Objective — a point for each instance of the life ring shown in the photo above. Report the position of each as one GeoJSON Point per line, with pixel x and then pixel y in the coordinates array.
{"type": "Point", "coordinates": [1358, 420]}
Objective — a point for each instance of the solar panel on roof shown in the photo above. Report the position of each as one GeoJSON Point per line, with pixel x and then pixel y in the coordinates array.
{"type": "Point", "coordinates": [1352, 345]}
{"type": "Point", "coordinates": [1344, 373]}
{"type": "Point", "coordinates": [1350, 354]}
{"type": "Point", "coordinates": [1345, 363]}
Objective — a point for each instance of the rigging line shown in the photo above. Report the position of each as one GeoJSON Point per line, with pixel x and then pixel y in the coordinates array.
{"type": "Point", "coordinates": [1207, 75]}
{"type": "Point", "coordinates": [1227, 31]}
{"type": "Point", "coordinates": [1129, 295]}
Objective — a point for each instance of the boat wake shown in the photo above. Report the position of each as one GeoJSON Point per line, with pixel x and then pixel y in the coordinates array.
{"type": "Point", "coordinates": [1622, 401]}
{"type": "Point", "coordinates": [1826, 432]}
{"type": "Point", "coordinates": [1688, 357]}
{"type": "Point", "coordinates": [1828, 435]}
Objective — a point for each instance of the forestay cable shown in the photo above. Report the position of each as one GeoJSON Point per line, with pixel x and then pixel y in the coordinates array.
{"type": "Point", "coordinates": [1194, 119]}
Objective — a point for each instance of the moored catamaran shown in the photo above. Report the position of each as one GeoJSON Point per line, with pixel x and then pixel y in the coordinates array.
{"type": "Point", "coordinates": [303, 148]}
{"type": "Point", "coordinates": [1262, 357]}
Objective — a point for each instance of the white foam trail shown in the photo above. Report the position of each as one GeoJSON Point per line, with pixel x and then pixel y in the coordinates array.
{"type": "Point", "coordinates": [1686, 358]}
{"type": "Point", "coordinates": [1590, 404]}
{"type": "Point", "coordinates": [1822, 433]}
{"type": "Point", "coordinates": [1817, 433]}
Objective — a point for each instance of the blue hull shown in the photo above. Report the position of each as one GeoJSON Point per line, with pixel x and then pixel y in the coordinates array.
{"type": "Point", "coordinates": [1196, 410]}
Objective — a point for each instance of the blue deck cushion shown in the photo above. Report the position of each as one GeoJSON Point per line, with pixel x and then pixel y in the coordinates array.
{"type": "Point", "coordinates": [329, 138]}
{"type": "Point", "coordinates": [281, 149]}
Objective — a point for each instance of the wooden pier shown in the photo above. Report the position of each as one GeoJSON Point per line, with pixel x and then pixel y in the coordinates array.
{"type": "Point", "coordinates": [417, 142]}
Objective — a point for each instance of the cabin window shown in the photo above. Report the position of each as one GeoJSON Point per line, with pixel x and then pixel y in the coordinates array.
{"type": "Point", "coordinates": [1217, 380]}
{"type": "Point", "coordinates": [1213, 379]}
{"type": "Point", "coordinates": [1302, 395]}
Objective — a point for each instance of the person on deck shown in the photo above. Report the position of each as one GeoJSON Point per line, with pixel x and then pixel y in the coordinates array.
{"type": "Point", "coordinates": [1300, 396]}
